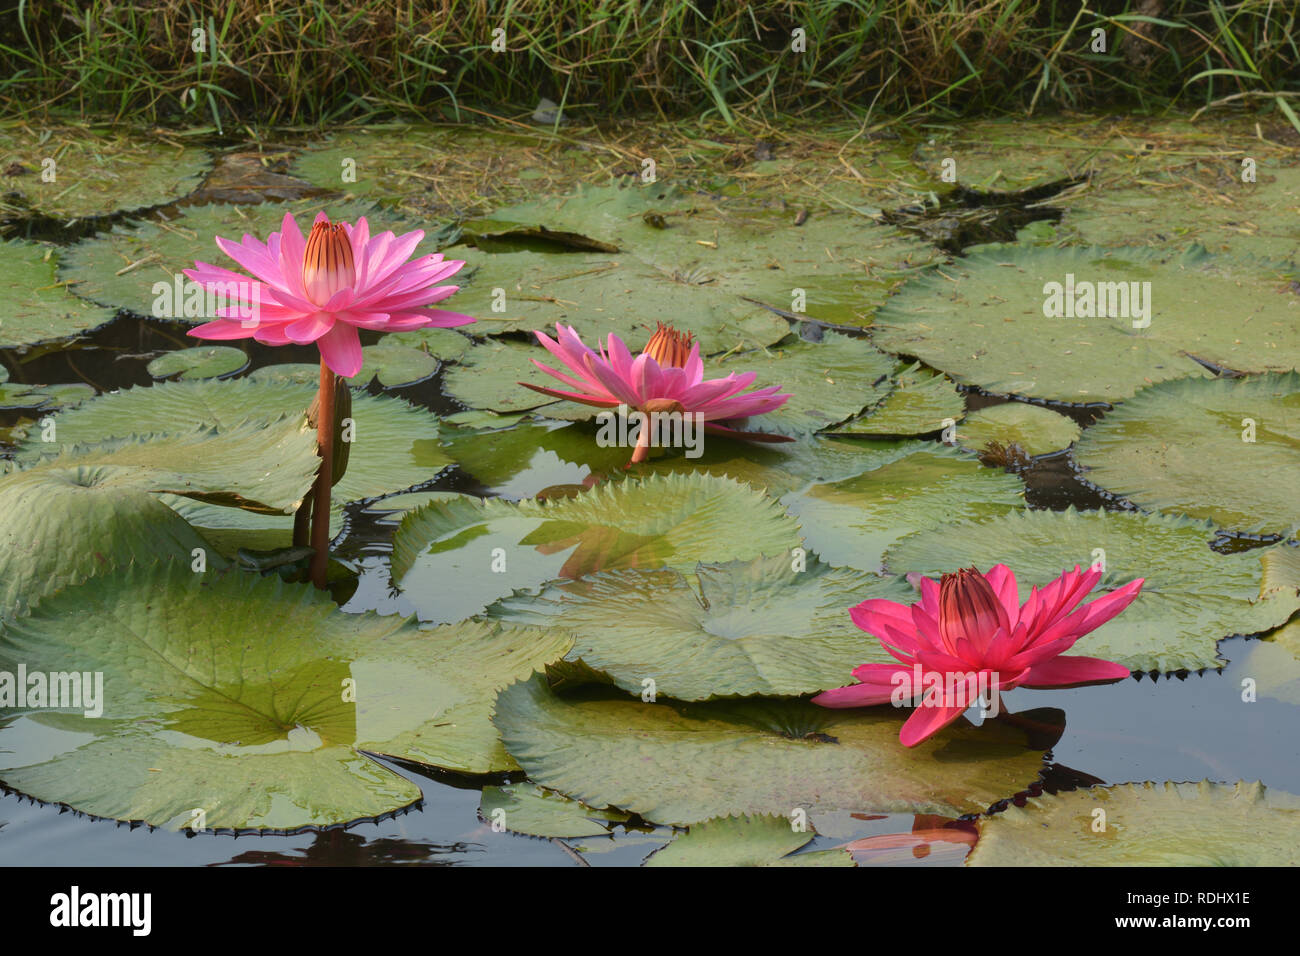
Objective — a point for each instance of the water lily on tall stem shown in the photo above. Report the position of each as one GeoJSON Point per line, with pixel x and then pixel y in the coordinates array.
{"type": "Point", "coordinates": [668, 376]}
{"type": "Point", "coordinates": [969, 634]}
{"type": "Point", "coordinates": [322, 289]}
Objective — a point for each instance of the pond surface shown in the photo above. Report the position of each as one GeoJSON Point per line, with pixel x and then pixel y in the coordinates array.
{"type": "Point", "coordinates": [1191, 725]}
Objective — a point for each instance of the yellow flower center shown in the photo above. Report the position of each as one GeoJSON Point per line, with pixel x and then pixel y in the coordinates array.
{"type": "Point", "coordinates": [327, 264]}
{"type": "Point", "coordinates": [668, 347]}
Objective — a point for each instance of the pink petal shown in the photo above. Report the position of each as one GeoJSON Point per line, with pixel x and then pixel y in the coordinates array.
{"type": "Point", "coordinates": [1060, 671]}
{"type": "Point", "coordinates": [340, 349]}
{"type": "Point", "coordinates": [926, 722]}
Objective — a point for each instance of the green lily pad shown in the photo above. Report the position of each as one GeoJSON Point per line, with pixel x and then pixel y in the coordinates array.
{"type": "Point", "coordinates": [1035, 429]}
{"type": "Point", "coordinates": [204, 361]}
{"type": "Point", "coordinates": [395, 445]}
{"type": "Point", "coordinates": [251, 700]}
{"type": "Point", "coordinates": [491, 547]}
{"type": "Point", "coordinates": [1182, 446]}
{"type": "Point", "coordinates": [446, 344]}
{"type": "Point", "coordinates": [913, 486]}
{"type": "Point", "coordinates": [1192, 599]}
{"type": "Point", "coordinates": [16, 395]}
{"type": "Point", "coordinates": [488, 377]}
{"type": "Point", "coordinates": [97, 172]}
{"type": "Point", "coordinates": [289, 373]}
{"type": "Point", "coordinates": [121, 268]}
{"type": "Point", "coordinates": [836, 267]}
{"type": "Point", "coordinates": [772, 626]}
{"type": "Point", "coordinates": [603, 294]}
{"type": "Point", "coordinates": [95, 507]}
{"type": "Point", "coordinates": [535, 811]}
{"type": "Point", "coordinates": [920, 402]}
{"type": "Point", "coordinates": [395, 365]}
{"type": "Point", "coordinates": [746, 841]}
{"type": "Point", "coordinates": [683, 763]}
{"type": "Point", "coordinates": [827, 381]}
{"type": "Point", "coordinates": [38, 308]}
{"type": "Point", "coordinates": [377, 163]}
{"type": "Point", "coordinates": [61, 526]}
{"type": "Point", "coordinates": [983, 321]}
{"type": "Point", "coordinates": [1146, 824]}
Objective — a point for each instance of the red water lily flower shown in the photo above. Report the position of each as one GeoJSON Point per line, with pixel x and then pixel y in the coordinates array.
{"type": "Point", "coordinates": [668, 376]}
{"type": "Point", "coordinates": [969, 635]}
{"type": "Point", "coordinates": [323, 288]}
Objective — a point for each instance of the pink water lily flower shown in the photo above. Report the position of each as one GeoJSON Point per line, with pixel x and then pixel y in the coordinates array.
{"type": "Point", "coordinates": [668, 376]}
{"type": "Point", "coordinates": [969, 635]}
{"type": "Point", "coordinates": [322, 289]}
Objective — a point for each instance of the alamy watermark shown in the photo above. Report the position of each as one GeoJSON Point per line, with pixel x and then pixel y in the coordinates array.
{"type": "Point", "coordinates": [1098, 300]}
{"type": "Point", "coordinates": [185, 298]}
{"type": "Point", "coordinates": [626, 427]}
{"type": "Point", "coordinates": [952, 689]}
{"type": "Point", "coordinates": [54, 689]}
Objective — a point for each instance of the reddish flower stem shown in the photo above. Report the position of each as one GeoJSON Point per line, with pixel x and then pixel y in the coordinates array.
{"type": "Point", "coordinates": [320, 515]}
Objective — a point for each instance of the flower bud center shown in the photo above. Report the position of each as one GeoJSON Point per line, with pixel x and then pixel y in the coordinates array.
{"type": "Point", "coordinates": [327, 264]}
{"type": "Point", "coordinates": [668, 347]}
{"type": "Point", "coordinates": [967, 606]}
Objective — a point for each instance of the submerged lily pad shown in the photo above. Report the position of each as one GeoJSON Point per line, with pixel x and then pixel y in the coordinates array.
{"type": "Point", "coordinates": [917, 485]}
{"type": "Point", "coordinates": [97, 172]}
{"type": "Point", "coordinates": [535, 811]}
{"type": "Point", "coordinates": [289, 373]}
{"type": "Point", "coordinates": [121, 268]}
{"type": "Point", "coordinates": [1193, 597]}
{"type": "Point", "coordinates": [683, 763]}
{"type": "Point", "coordinates": [919, 402]}
{"type": "Point", "coordinates": [491, 547]}
{"type": "Point", "coordinates": [38, 308]}
{"type": "Point", "coordinates": [1035, 429]}
{"type": "Point", "coordinates": [983, 321]}
{"type": "Point", "coordinates": [251, 700]}
{"type": "Point", "coordinates": [746, 841]}
{"type": "Point", "coordinates": [204, 361]}
{"type": "Point", "coordinates": [1146, 824]}
{"type": "Point", "coordinates": [1221, 449]}
{"type": "Point", "coordinates": [1274, 664]}
{"type": "Point", "coordinates": [769, 626]}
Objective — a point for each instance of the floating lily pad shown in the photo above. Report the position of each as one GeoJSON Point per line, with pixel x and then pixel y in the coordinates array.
{"type": "Point", "coordinates": [603, 294]}
{"type": "Point", "coordinates": [90, 508]}
{"type": "Point", "coordinates": [290, 373]}
{"type": "Point", "coordinates": [535, 811]}
{"type": "Point", "coordinates": [250, 700]}
{"type": "Point", "coordinates": [683, 763]}
{"type": "Point", "coordinates": [746, 841]}
{"type": "Point", "coordinates": [488, 377]}
{"type": "Point", "coordinates": [121, 268]}
{"type": "Point", "coordinates": [920, 402]}
{"type": "Point", "coordinates": [375, 164]}
{"type": "Point", "coordinates": [204, 361]}
{"type": "Point", "coordinates": [836, 267]}
{"type": "Point", "coordinates": [916, 485]}
{"type": "Point", "coordinates": [772, 626]}
{"type": "Point", "coordinates": [446, 344]}
{"type": "Point", "coordinates": [395, 365]}
{"type": "Point", "coordinates": [37, 307]}
{"type": "Point", "coordinates": [395, 445]}
{"type": "Point", "coordinates": [97, 172]}
{"type": "Point", "coordinates": [983, 321]}
{"type": "Point", "coordinates": [1035, 429]}
{"type": "Point", "coordinates": [1221, 449]}
{"type": "Point", "coordinates": [1146, 824]}
{"type": "Point", "coordinates": [491, 547]}
{"type": "Point", "coordinates": [827, 381]}
{"type": "Point", "coordinates": [1193, 596]}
